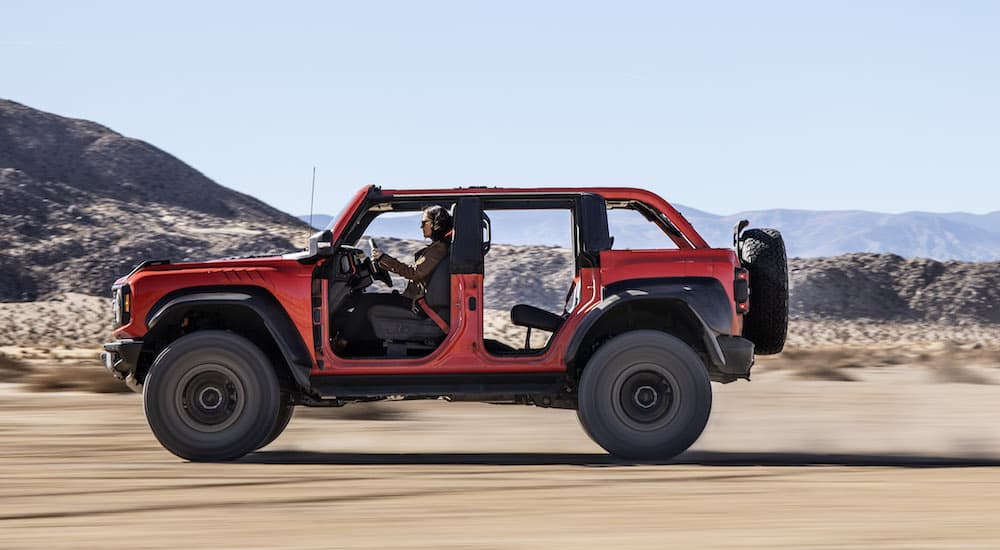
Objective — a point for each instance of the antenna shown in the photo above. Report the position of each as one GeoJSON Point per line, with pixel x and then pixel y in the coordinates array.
{"type": "Point", "coordinates": [312, 198]}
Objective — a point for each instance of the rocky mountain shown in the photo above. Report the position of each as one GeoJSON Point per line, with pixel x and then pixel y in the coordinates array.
{"type": "Point", "coordinates": [810, 233]}
{"type": "Point", "coordinates": [887, 287]}
{"type": "Point", "coordinates": [81, 204]}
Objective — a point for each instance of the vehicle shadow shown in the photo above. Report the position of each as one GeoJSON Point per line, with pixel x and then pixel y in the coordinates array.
{"type": "Point", "coordinates": [691, 458]}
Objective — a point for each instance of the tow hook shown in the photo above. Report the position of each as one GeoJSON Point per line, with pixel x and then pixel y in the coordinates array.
{"type": "Point", "coordinates": [108, 360]}
{"type": "Point", "coordinates": [133, 384]}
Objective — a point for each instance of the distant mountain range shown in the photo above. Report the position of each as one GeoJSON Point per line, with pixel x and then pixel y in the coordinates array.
{"type": "Point", "coordinates": [817, 233]}
{"type": "Point", "coordinates": [807, 233]}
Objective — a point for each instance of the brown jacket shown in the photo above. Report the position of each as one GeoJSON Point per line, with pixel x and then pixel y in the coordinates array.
{"type": "Point", "coordinates": [426, 259]}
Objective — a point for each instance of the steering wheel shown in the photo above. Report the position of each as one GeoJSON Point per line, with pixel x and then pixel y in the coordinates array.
{"type": "Point", "coordinates": [379, 273]}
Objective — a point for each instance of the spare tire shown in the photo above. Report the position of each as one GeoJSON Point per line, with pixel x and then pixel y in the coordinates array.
{"type": "Point", "coordinates": [762, 252]}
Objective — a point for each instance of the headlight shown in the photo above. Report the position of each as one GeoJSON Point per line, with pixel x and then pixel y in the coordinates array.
{"type": "Point", "coordinates": [121, 304]}
{"type": "Point", "coordinates": [116, 305]}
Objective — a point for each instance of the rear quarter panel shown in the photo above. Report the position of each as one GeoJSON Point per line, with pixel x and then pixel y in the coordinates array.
{"type": "Point", "coordinates": [718, 263]}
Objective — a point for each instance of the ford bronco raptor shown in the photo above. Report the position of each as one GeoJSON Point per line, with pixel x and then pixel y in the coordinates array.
{"type": "Point", "coordinates": [223, 351]}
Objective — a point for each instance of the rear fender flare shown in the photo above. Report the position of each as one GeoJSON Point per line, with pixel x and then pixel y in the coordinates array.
{"type": "Point", "coordinates": [703, 297]}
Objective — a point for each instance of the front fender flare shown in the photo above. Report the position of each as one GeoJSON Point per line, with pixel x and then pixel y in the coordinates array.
{"type": "Point", "coordinates": [258, 302]}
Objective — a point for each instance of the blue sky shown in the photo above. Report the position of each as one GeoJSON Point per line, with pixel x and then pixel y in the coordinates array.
{"type": "Point", "coordinates": [886, 106]}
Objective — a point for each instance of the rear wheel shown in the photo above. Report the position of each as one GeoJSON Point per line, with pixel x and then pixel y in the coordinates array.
{"type": "Point", "coordinates": [211, 395]}
{"type": "Point", "coordinates": [644, 395]}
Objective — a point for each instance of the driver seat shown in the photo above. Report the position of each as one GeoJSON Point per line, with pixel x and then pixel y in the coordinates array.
{"type": "Point", "coordinates": [404, 330]}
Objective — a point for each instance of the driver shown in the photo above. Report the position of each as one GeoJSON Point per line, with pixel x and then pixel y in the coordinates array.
{"type": "Point", "coordinates": [353, 324]}
{"type": "Point", "coordinates": [436, 224]}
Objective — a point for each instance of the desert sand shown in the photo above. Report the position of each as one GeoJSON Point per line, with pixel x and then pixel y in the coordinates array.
{"type": "Point", "coordinates": [895, 459]}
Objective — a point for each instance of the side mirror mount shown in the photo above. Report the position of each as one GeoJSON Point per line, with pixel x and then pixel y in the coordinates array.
{"type": "Point", "coordinates": [321, 243]}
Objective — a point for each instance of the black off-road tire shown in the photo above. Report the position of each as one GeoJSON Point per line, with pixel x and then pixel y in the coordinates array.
{"type": "Point", "coordinates": [644, 395]}
{"type": "Point", "coordinates": [762, 252]}
{"type": "Point", "coordinates": [211, 396]}
{"type": "Point", "coordinates": [285, 411]}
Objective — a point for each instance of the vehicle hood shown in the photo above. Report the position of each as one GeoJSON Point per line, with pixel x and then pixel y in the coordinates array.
{"type": "Point", "coordinates": [262, 262]}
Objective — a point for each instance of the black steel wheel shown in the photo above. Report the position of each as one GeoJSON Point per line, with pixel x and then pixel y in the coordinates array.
{"type": "Point", "coordinates": [211, 395]}
{"type": "Point", "coordinates": [644, 395]}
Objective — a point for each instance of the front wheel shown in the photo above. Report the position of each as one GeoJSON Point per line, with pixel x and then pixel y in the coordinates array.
{"type": "Point", "coordinates": [285, 411]}
{"type": "Point", "coordinates": [211, 395]}
{"type": "Point", "coordinates": [645, 395]}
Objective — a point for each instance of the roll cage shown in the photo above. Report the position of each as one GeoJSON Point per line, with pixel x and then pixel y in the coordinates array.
{"type": "Point", "coordinates": [472, 235]}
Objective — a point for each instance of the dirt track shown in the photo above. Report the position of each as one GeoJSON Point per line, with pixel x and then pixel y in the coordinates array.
{"type": "Point", "coordinates": [890, 461]}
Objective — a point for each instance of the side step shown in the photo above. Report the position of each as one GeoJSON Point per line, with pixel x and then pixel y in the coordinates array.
{"type": "Point", "coordinates": [435, 385]}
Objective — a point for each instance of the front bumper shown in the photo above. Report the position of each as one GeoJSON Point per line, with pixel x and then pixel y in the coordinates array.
{"type": "Point", "coordinates": [121, 358]}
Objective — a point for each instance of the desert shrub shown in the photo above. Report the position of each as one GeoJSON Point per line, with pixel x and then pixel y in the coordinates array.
{"type": "Point", "coordinates": [11, 369]}
{"type": "Point", "coordinates": [86, 376]}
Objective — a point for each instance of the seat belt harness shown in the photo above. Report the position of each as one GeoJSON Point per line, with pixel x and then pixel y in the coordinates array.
{"type": "Point", "coordinates": [422, 303]}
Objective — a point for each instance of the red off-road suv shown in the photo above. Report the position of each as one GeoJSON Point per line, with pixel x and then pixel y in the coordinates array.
{"type": "Point", "coordinates": [223, 351]}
